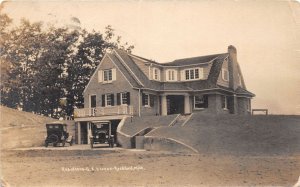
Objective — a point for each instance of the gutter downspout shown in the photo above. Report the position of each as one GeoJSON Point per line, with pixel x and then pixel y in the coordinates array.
{"type": "Point", "coordinates": [139, 102]}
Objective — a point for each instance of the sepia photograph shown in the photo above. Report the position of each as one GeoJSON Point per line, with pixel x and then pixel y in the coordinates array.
{"type": "Point", "coordinates": [149, 93]}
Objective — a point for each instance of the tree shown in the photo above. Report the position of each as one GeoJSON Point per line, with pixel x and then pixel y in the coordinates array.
{"type": "Point", "coordinates": [39, 65]}
{"type": "Point", "coordinates": [90, 52]}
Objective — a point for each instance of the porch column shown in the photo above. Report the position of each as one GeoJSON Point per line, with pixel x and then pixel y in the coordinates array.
{"type": "Point", "coordinates": [164, 109]}
{"type": "Point", "coordinates": [187, 106]}
{"type": "Point", "coordinates": [79, 133]}
{"type": "Point", "coordinates": [89, 132]}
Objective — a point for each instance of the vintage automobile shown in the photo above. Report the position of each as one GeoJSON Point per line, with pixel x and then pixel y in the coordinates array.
{"type": "Point", "coordinates": [57, 134]}
{"type": "Point", "coordinates": [101, 134]}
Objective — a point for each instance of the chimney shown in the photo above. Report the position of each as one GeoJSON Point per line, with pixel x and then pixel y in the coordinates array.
{"type": "Point", "coordinates": [232, 53]}
{"type": "Point", "coordinates": [233, 67]}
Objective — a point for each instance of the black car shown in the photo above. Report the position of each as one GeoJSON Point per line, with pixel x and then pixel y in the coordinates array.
{"type": "Point", "coordinates": [101, 133]}
{"type": "Point", "coordinates": [57, 134]}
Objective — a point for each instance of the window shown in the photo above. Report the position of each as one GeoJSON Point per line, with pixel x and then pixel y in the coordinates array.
{"type": "Point", "coordinates": [224, 102]}
{"type": "Point", "coordinates": [171, 75]}
{"type": "Point", "coordinates": [225, 74]}
{"type": "Point", "coordinates": [107, 75]}
{"type": "Point", "coordinates": [148, 100]}
{"type": "Point", "coordinates": [193, 74]}
{"type": "Point", "coordinates": [249, 105]}
{"type": "Point", "coordinates": [123, 98]}
{"type": "Point", "coordinates": [156, 74]}
{"type": "Point", "coordinates": [93, 101]}
{"type": "Point", "coordinates": [108, 100]}
{"type": "Point", "coordinates": [200, 101]}
{"type": "Point", "coordinates": [240, 79]}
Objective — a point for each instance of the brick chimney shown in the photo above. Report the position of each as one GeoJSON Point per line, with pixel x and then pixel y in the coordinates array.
{"type": "Point", "coordinates": [233, 67]}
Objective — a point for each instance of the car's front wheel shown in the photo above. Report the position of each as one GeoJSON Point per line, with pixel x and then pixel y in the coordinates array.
{"type": "Point", "coordinates": [111, 143]}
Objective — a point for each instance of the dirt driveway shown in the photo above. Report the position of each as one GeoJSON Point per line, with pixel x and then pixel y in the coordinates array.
{"type": "Point", "coordinates": [81, 166]}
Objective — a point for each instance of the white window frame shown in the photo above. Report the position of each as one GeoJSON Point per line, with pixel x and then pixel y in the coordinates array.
{"type": "Point", "coordinates": [156, 74]}
{"type": "Point", "coordinates": [121, 98]}
{"type": "Point", "coordinates": [148, 100]}
{"type": "Point", "coordinates": [195, 101]}
{"type": "Point", "coordinates": [249, 105]}
{"type": "Point", "coordinates": [240, 79]}
{"type": "Point", "coordinates": [225, 78]}
{"type": "Point", "coordinates": [106, 99]}
{"type": "Point", "coordinates": [226, 104]}
{"type": "Point", "coordinates": [171, 75]}
{"type": "Point", "coordinates": [190, 74]}
{"type": "Point", "coordinates": [107, 72]}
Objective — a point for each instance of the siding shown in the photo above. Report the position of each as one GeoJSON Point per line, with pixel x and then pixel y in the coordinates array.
{"type": "Point", "coordinates": [120, 85]}
{"type": "Point", "coordinates": [242, 105]}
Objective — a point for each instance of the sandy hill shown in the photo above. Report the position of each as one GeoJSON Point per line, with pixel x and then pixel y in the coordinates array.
{"type": "Point", "coordinates": [21, 129]}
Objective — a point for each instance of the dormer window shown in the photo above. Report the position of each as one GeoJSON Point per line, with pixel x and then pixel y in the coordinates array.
{"type": "Point", "coordinates": [225, 75]}
{"type": "Point", "coordinates": [171, 75]}
{"type": "Point", "coordinates": [240, 79]}
{"type": "Point", "coordinates": [193, 74]}
{"type": "Point", "coordinates": [156, 74]}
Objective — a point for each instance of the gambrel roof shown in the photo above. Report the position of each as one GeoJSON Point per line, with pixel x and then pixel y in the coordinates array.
{"type": "Point", "coordinates": [132, 72]}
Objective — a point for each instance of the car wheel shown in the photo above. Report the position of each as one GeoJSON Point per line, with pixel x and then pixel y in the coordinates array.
{"type": "Point", "coordinates": [46, 144]}
{"type": "Point", "coordinates": [111, 143]}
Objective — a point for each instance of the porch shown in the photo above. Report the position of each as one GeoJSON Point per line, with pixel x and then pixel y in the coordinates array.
{"type": "Point", "coordinates": [103, 111]}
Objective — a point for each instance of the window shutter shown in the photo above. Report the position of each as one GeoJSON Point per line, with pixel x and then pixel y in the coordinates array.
{"type": "Point", "coordinates": [118, 99]}
{"type": "Point", "coordinates": [112, 96]}
{"type": "Point", "coordinates": [114, 75]}
{"type": "Point", "coordinates": [100, 76]}
{"type": "Point", "coordinates": [128, 98]}
{"type": "Point", "coordinates": [103, 100]}
{"type": "Point", "coordinates": [143, 99]}
{"type": "Point", "coordinates": [201, 73]}
{"type": "Point", "coordinates": [182, 75]}
{"type": "Point", "coordinates": [205, 97]}
{"type": "Point", "coordinates": [151, 100]}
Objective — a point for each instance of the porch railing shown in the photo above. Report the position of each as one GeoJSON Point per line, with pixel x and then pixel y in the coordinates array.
{"type": "Point", "coordinates": [103, 111]}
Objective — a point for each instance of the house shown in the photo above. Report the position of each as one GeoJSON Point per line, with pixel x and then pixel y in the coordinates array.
{"type": "Point", "coordinates": [128, 85]}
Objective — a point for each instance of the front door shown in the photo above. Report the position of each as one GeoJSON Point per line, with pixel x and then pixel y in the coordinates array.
{"type": "Point", "coordinates": [175, 104]}
{"type": "Point", "coordinates": [93, 101]}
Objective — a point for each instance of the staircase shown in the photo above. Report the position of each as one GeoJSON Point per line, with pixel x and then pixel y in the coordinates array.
{"type": "Point", "coordinates": [181, 120]}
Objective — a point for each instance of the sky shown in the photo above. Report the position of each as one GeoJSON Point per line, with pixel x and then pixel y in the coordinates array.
{"type": "Point", "coordinates": [266, 34]}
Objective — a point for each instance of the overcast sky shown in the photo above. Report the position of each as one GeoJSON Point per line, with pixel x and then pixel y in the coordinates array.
{"type": "Point", "coordinates": [265, 33]}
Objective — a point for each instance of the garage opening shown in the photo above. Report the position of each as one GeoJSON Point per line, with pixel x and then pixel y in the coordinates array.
{"type": "Point", "coordinates": [175, 104]}
{"type": "Point", "coordinates": [84, 132]}
{"type": "Point", "coordinates": [114, 126]}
